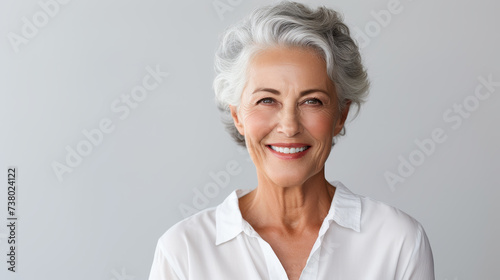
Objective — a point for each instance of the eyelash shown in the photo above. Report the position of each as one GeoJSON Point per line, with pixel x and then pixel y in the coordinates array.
{"type": "Point", "coordinates": [310, 99]}
{"type": "Point", "coordinates": [264, 99]}
{"type": "Point", "coordinates": [315, 100]}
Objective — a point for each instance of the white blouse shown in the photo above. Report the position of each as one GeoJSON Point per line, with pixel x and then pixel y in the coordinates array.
{"type": "Point", "coordinates": [360, 239]}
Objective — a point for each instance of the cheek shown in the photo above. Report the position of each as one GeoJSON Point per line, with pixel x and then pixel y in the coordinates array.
{"type": "Point", "coordinates": [257, 123]}
{"type": "Point", "coordinates": [320, 124]}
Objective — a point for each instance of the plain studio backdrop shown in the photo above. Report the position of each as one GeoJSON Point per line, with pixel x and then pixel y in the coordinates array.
{"type": "Point", "coordinates": [108, 113]}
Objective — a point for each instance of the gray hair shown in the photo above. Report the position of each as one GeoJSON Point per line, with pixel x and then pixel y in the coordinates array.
{"type": "Point", "coordinates": [288, 24]}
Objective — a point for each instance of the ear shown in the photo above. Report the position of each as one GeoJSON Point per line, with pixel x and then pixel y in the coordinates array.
{"type": "Point", "coordinates": [343, 116]}
{"type": "Point", "coordinates": [237, 123]}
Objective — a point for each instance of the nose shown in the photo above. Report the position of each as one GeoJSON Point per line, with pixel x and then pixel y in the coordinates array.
{"type": "Point", "coordinates": [289, 121]}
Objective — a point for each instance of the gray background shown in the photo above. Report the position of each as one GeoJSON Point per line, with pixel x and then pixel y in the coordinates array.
{"type": "Point", "coordinates": [102, 220]}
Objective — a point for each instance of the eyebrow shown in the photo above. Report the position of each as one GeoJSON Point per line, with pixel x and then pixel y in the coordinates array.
{"type": "Point", "coordinates": [302, 93]}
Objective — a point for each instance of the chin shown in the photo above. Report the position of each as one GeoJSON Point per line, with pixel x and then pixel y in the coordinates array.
{"type": "Point", "coordinates": [288, 179]}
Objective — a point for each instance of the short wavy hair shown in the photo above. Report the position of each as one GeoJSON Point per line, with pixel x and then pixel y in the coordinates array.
{"type": "Point", "coordinates": [288, 24]}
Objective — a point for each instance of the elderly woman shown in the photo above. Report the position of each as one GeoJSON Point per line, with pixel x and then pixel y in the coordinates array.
{"type": "Point", "coordinates": [287, 77]}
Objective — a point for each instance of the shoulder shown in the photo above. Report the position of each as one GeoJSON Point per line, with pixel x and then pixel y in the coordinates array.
{"type": "Point", "coordinates": [190, 231]}
{"type": "Point", "coordinates": [373, 216]}
{"type": "Point", "coordinates": [199, 231]}
{"type": "Point", "coordinates": [383, 212]}
{"type": "Point", "coordinates": [400, 235]}
{"type": "Point", "coordinates": [381, 218]}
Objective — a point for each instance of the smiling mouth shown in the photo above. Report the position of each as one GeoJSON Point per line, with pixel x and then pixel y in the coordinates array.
{"type": "Point", "coordinates": [287, 150]}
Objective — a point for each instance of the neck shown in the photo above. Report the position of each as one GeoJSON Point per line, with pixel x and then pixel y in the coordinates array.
{"type": "Point", "coordinates": [291, 208]}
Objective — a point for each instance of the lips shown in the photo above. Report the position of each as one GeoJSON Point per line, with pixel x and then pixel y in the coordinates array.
{"type": "Point", "coordinates": [288, 150]}
{"type": "Point", "coordinates": [289, 145]}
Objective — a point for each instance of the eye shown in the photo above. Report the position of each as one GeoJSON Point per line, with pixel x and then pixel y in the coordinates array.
{"type": "Point", "coordinates": [266, 100]}
{"type": "Point", "coordinates": [313, 101]}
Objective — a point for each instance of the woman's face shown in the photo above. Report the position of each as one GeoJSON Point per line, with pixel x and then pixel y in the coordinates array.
{"type": "Point", "coordinates": [289, 104]}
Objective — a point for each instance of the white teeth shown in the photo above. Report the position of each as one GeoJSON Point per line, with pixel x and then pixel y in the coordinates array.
{"type": "Point", "coordinates": [289, 150]}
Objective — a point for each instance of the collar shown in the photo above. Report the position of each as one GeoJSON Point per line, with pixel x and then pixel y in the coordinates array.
{"type": "Point", "coordinates": [345, 210]}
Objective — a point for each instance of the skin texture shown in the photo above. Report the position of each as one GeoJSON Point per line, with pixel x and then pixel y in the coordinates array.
{"type": "Point", "coordinates": [293, 197]}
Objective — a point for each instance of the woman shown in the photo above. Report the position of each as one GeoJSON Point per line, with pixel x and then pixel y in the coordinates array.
{"type": "Point", "coordinates": [287, 76]}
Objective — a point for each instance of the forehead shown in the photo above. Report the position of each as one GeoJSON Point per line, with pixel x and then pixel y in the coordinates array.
{"type": "Point", "coordinates": [288, 66]}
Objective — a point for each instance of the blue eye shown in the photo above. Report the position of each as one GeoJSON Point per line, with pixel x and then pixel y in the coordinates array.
{"type": "Point", "coordinates": [266, 100]}
{"type": "Point", "coordinates": [313, 101]}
